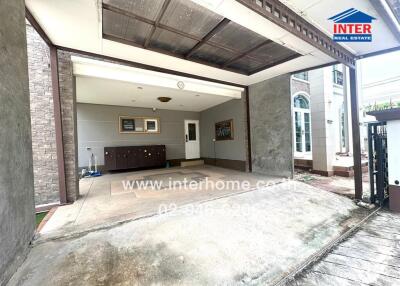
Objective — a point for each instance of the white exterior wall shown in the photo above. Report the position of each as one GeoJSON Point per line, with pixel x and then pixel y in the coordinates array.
{"type": "Point", "coordinates": [347, 97]}
{"type": "Point", "coordinates": [322, 119]}
{"type": "Point", "coordinates": [333, 96]}
{"type": "Point", "coordinates": [337, 103]}
{"type": "Point", "coordinates": [393, 133]}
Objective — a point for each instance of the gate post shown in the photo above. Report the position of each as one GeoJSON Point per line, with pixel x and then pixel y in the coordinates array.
{"type": "Point", "coordinates": [371, 149]}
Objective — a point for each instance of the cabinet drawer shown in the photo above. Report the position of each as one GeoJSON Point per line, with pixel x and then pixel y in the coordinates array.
{"type": "Point", "coordinates": [131, 157]}
{"type": "Point", "coordinates": [110, 158]}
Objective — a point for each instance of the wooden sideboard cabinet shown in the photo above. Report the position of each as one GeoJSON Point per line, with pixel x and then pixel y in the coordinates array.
{"type": "Point", "coordinates": [133, 157]}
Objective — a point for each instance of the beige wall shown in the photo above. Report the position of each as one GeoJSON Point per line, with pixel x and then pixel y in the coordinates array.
{"type": "Point", "coordinates": [228, 149]}
{"type": "Point", "coordinates": [98, 127]}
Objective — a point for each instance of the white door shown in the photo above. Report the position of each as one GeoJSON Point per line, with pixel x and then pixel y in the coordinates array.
{"type": "Point", "coordinates": [302, 126]}
{"type": "Point", "coordinates": [192, 139]}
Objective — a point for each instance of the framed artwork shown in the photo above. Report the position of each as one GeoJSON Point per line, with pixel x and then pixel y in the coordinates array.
{"type": "Point", "coordinates": [127, 124]}
{"type": "Point", "coordinates": [151, 125]}
{"type": "Point", "coordinates": [224, 130]}
{"type": "Point", "coordinates": [139, 125]}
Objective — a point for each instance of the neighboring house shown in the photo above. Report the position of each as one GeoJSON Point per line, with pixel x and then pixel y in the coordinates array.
{"type": "Point", "coordinates": [382, 91]}
{"type": "Point", "coordinates": [377, 94]}
{"type": "Point", "coordinates": [321, 118]}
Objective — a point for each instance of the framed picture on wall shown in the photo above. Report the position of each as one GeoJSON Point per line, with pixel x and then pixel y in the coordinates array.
{"type": "Point", "coordinates": [127, 124]}
{"type": "Point", "coordinates": [151, 125]}
{"type": "Point", "coordinates": [224, 130]}
{"type": "Point", "coordinates": [139, 125]}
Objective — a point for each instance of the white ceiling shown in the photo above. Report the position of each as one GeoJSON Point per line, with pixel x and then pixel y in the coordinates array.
{"type": "Point", "coordinates": [112, 92]}
{"type": "Point", "coordinates": [100, 69]}
{"type": "Point", "coordinates": [77, 24]}
{"type": "Point", "coordinates": [100, 82]}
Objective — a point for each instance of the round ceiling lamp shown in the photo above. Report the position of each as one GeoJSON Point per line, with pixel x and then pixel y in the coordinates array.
{"type": "Point", "coordinates": [164, 99]}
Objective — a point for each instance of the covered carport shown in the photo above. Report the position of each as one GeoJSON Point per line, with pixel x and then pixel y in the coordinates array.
{"type": "Point", "coordinates": [299, 28]}
{"type": "Point", "coordinates": [200, 39]}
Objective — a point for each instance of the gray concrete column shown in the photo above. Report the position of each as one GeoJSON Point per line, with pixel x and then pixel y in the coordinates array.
{"type": "Point", "coordinates": [270, 108]}
{"type": "Point", "coordinates": [17, 212]}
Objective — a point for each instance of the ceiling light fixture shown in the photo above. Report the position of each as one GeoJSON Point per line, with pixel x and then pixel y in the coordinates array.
{"type": "Point", "coordinates": [180, 84]}
{"type": "Point", "coordinates": [139, 87]}
{"type": "Point", "coordinates": [164, 99]}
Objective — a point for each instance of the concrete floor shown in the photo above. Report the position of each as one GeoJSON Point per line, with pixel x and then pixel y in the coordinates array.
{"type": "Point", "coordinates": [251, 238]}
{"type": "Point", "coordinates": [103, 200]}
{"type": "Point", "coordinates": [370, 257]}
{"type": "Point", "coordinates": [339, 185]}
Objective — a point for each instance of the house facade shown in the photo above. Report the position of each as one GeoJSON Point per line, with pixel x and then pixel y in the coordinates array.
{"type": "Point", "coordinates": [332, 140]}
{"type": "Point", "coordinates": [321, 132]}
{"type": "Point", "coordinates": [205, 80]}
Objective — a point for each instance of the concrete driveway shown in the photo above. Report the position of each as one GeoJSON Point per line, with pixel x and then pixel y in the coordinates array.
{"type": "Point", "coordinates": [103, 200]}
{"type": "Point", "coordinates": [253, 238]}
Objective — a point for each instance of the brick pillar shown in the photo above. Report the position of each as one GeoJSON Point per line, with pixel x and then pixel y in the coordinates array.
{"type": "Point", "coordinates": [42, 120]}
{"type": "Point", "coordinates": [68, 113]}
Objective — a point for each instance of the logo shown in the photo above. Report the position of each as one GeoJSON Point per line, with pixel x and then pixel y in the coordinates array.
{"type": "Point", "coordinates": [352, 26]}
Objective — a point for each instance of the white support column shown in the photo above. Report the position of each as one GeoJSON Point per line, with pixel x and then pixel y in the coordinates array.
{"type": "Point", "coordinates": [323, 131]}
{"type": "Point", "coordinates": [347, 110]}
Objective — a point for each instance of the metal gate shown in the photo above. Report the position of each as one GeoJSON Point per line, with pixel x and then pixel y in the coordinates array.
{"type": "Point", "coordinates": [378, 162]}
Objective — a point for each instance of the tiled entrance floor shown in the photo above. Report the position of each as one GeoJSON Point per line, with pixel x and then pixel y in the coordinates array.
{"type": "Point", "coordinates": [104, 200]}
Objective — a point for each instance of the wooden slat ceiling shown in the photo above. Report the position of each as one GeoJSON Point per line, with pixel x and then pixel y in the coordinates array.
{"type": "Point", "coordinates": [186, 30]}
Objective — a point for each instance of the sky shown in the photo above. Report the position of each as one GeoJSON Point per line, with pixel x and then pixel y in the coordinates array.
{"type": "Point", "coordinates": [380, 67]}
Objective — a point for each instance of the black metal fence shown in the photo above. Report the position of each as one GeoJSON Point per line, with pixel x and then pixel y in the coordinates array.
{"type": "Point", "coordinates": [378, 162]}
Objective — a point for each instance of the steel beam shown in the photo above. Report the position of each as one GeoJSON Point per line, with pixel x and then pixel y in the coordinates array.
{"type": "Point", "coordinates": [356, 134]}
{"type": "Point", "coordinates": [62, 187]}
{"type": "Point", "coordinates": [161, 51]}
{"type": "Point", "coordinates": [157, 22]}
{"type": "Point", "coordinates": [278, 13]}
{"type": "Point", "coordinates": [386, 17]}
{"type": "Point", "coordinates": [146, 66]}
{"type": "Point", "coordinates": [248, 125]}
{"type": "Point", "coordinates": [37, 27]}
{"type": "Point", "coordinates": [270, 65]}
{"type": "Point", "coordinates": [209, 35]}
{"type": "Point", "coordinates": [236, 58]}
{"type": "Point", "coordinates": [170, 29]}
{"type": "Point", "coordinates": [58, 125]}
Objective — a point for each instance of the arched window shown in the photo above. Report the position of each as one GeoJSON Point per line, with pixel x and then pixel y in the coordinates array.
{"type": "Point", "coordinates": [300, 101]}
